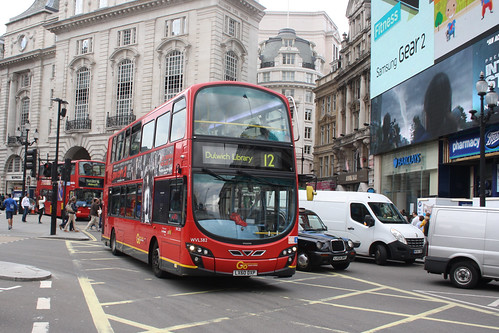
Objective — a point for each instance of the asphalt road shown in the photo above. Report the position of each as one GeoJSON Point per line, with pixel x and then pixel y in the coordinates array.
{"type": "Point", "coordinates": [91, 290]}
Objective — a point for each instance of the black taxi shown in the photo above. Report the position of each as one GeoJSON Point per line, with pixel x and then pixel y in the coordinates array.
{"type": "Point", "coordinates": [316, 247]}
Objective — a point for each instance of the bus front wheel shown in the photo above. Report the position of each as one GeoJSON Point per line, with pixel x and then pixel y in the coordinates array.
{"type": "Point", "coordinates": [155, 262]}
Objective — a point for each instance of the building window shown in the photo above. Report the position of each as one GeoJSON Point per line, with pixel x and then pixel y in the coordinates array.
{"type": "Point", "coordinates": [102, 3]}
{"type": "Point", "coordinates": [25, 80]}
{"type": "Point", "coordinates": [288, 76]}
{"type": "Point", "coordinates": [307, 149]}
{"type": "Point", "coordinates": [14, 165]}
{"type": "Point", "coordinates": [333, 130]}
{"type": "Point", "coordinates": [78, 7]}
{"type": "Point", "coordinates": [308, 114]}
{"type": "Point", "coordinates": [322, 135]}
{"type": "Point", "coordinates": [125, 88]}
{"type": "Point", "coordinates": [288, 42]}
{"type": "Point", "coordinates": [84, 46]}
{"type": "Point", "coordinates": [326, 166]}
{"type": "Point", "coordinates": [320, 167]}
{"type": "Point", "coordinates": [82, 93]}
{"type": "Point", "coordinates": [174, 76]}
{"type": "Point", "coordinates": [230, 66]}
{"type": "Point", "coordinates": [331, 164]}
{"type": "Point", "coordinates": [323, 106]}
{"type": "Point", "coordinates": [24, 113]}
{"type": "Point", "coordinates": [310, 78]}
{"type": "Point", "coordinates": [232, 27]}
{"type": "Point", "coordinates": [328, 107]}
{"type": "Point", "coordinates": [308, 132]}
{"type": "Point", "coordinates": [266, 77]}
{"type": "Point", "coordinates": [127, 37]}
{"type": "Point", "coordinates": [288, 58]}
{"type": "Point", "coordinates": [175, 27]}
{"type": "Point", "coordinates": [334, 102]}
{"type": "Point", "coordinates": [288, 92]}
{"type": "Point", "coordinates": [356, 89]}
{"type": "Point", "coordinates": [309, 96]}
{"type": "Point", "coordinates": [328, 131]}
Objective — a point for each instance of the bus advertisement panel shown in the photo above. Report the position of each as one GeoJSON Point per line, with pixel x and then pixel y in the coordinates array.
{"type": "Point", "coordinates": [206, 184]}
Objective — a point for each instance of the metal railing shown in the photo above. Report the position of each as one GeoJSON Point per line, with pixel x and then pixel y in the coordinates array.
{"type": "Point", "coordinates": [79, 124]}
{"type": "Point", "coordinates": [120, 121]}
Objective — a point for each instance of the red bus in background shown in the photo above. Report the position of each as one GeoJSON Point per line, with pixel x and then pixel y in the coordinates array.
{"type": "Point", "coordinates": [86, 181]}
{"type": "Point", "coordinates": [206, 184]}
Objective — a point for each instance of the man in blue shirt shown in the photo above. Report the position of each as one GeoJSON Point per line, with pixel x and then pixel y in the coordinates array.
{"type": "Point", "coordinates": [10, 207]}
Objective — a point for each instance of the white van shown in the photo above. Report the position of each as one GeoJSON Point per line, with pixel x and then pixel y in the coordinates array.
{"type": "Point", "coordinates": [463, 243]}
{"type": "Point", "coordinates": [369, 218]}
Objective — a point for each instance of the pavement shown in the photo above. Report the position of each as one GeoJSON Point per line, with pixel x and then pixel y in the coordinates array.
{"type": "Point", "coordinates": [32, 229]}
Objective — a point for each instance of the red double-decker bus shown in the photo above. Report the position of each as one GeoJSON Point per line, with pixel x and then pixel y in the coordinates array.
{"type": "Point", "coordinates": [86, 181]}
{"type": "Point", "coordinates": [206, 184]}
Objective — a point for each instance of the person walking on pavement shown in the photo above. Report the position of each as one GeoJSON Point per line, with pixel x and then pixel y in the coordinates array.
{"type": "Point", "coordinates": [41, 207]}
{"type": "Point", "coordinates": [94, 215]}
{"type": "Point", "coordinates": [71, 210]}
{"type": "Point", "coordinates": [10, 207]}
{"type": "Point", "coordinates": [25, 203]}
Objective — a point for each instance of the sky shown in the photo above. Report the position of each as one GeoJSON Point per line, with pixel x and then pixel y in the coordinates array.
{"type": "Point", "coordinates": [336, 9]}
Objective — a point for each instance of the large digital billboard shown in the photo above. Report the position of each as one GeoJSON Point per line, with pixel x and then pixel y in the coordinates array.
{"type": "Point", "coordinates": [409, 36]}
{"type": "Point", "coordinates": [435, 102]}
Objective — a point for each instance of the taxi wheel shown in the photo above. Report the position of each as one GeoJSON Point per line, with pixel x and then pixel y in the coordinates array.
{"type": "Point", "coordinates": [341, 267]}
{"type": "Point", "coordinates": [303, 262]}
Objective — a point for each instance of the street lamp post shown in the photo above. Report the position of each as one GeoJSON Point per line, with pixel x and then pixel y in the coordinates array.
{"type": "Point", "coordinates": [60, 113]}
{"type": "Point", "coordinates": [491, 100]}
{"type": "Point", "coordinates": [24, 140]}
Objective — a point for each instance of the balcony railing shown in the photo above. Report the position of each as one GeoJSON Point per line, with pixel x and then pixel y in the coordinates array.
{"type": "Point", "coordinates": [267, 64]}
{"type": "Point", "coordinates": [79, 124]}
{"type": "Point", "coordinates": [12, 141]}
{"type": "Point", "coordinates": [120, 121]}
{"type": "Point", "coordinates": [308, 65]}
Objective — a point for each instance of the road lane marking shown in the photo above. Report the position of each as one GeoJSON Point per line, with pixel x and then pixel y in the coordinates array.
{"type": "Point", "coordinates": [99, 317]}
{"type": "Point", "coordinates": [9, 288]}
{"type": "Point", "coordinates": [45, 284]}
{"type": "Point", "coordinates": [495, 303]}
{"type": "Point", "coordinates": [189, 325]}
{"type": "Point", "coordinates": [464, 304]}
{"type": "Point", "coordinates": [43, 303]}
{"type": "Point", "coordinates": [40, 327]}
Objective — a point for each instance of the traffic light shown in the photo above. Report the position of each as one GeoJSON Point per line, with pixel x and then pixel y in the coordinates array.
{"type": "Point", "coordinates": [47, 169]}
{"type": "Point", "coordinates": [66, 170]}
{"type": "Point", "coordinates": [31, 155]}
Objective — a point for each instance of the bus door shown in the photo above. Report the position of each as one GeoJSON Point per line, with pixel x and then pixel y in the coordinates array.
{"type": "Point", "coordinates": [169, 216]}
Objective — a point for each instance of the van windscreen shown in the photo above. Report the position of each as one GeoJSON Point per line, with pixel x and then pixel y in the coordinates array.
{"type": "Point", "coordinates": [387, 212]}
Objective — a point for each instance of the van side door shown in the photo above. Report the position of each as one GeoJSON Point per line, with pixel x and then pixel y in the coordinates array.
{"type": "Point", "coordinates": [491, 253]}
{"type": "Point", "coordinates": [356, 228]}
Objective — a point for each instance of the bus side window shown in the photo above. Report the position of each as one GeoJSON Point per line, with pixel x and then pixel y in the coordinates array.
{"type": "Point", "coordinates": [119, 146]}
{"type": "Point", "coordinates": [122, 201]}
{"type": "Point", "coordinates": [176, 212]}
{"type": "Point", "coordinates": [114, 202]}
{"type": "Point", "coordinates": [126, 151]}
{"type": "Point", "coordinates": [147, 136]}
{"type": "Point", "coordinates": [135, 139]}
{"type": "Point", "coordinates": [113, 150]}
{"type": "Point", "coordinates": [162, 129]}
{"type": "Point", "coordinates": [178, 120]}
{"type": "Point", "coordinates": [138, 206]}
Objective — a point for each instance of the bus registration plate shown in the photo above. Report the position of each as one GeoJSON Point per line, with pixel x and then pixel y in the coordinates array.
{"type": "Point", "coordinates": [244, 272]}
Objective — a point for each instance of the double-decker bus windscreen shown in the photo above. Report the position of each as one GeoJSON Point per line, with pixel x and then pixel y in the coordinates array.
{"type": "Point", "coordinates": [242, 206]}
{"type": "Point", "coordinates": [95, 169]}
{"type": "Point", "coordinates": [241, 112]}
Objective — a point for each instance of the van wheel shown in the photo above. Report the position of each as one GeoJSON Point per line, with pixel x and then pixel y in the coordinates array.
{"type": "Point", "coordinates": [380, 255]}
{"type": "Point", "coordinates": [303, 262]}
{"type": "Point", "coordinates": [464, 274]}
{"type": "Point", "coordinates": [113, 245]}
{"type": "Point", "coordinates": [155, 262]}
{"type": "Point", "coordinates": [341, 267]}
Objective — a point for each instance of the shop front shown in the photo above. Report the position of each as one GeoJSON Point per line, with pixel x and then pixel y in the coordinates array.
{"type": "Point", "coordinates": [409, 174]}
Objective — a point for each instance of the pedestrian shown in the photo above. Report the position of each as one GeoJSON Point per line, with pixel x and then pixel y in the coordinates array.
{"type": "Point", "coordinates": [415, 219]}
{"type": "Point", "coordinates": [71, 210]}
{"type": "Point", "coordinates": [25, 203]}
{"type": "Point", "coordinates": [426, 224]}
{"type": "Point", "coordinates": [94, 215]}
{"type": "Point", "coordinates": [10, 207]}
{"type": "Point", "coordinates": [101, 206]}
{"type": "Point", "coordinates": [41, 207]}
{"type": "Point", "coordinates": [404, 214]}
{"type": "Point", "coordinates": [421, 222]}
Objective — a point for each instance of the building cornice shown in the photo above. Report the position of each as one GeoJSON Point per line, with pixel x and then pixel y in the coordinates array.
{"type": "Point", "coordinates": [124, 10]}
{"type": "Point", "coordinates": [26, 57]}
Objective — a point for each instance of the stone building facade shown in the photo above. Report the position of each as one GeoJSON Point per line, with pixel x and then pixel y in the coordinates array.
{"type": "Point", "coordinates": [342, 160]}
{"type": "Point", "coordinates": [297, 49]}
{"type": "Point", "coordinates": [112, 62]}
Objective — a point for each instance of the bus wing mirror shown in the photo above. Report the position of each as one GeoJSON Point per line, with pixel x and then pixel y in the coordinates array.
{"type": "Point", "coordinates": [310, 193]}
{"type": "Point", "coordinates": [368, 221]}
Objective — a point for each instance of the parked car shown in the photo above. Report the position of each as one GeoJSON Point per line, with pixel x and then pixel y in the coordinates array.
{"type": "Point", "coordinates": [464, 245]}
{"type": "Point", "coordinates": [316, 247]}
